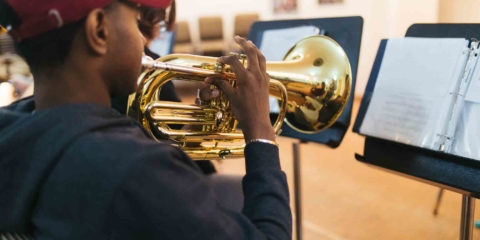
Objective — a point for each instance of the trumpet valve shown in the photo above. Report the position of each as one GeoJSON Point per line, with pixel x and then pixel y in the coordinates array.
{"type": "Point", "coordinates": [219, 67]}
{"type": "Point", "coordinates": [241, 57]}
{"type": "Point", "coordinates": [198, 100]}
{"type": "Point", "coordinates": [219, 115]}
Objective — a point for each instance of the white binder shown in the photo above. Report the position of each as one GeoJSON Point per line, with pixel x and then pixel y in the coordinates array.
{"type": "Point", "coordinates": [427, 94]}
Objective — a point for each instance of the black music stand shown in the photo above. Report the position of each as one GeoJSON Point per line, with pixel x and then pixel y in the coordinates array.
{"type": "Point", "coordinates": [446, 171]}
{"type": "Point", "coordinates": [347, 31]}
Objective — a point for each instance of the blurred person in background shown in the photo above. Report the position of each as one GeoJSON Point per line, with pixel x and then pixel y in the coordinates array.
{"type": "Point", "coordinates": [15, 77]}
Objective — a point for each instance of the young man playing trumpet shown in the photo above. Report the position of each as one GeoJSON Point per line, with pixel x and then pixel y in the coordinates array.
{"type": "Point", "coordinates": [74, 168]}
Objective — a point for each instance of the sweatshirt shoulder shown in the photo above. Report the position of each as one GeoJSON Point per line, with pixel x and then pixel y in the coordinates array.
{"type": "Point", "coordinates": [90, 171]}
{"type": "Point", "coordinates": [119, 146]}
{"type": "Point", "coordinates": [98, 162]}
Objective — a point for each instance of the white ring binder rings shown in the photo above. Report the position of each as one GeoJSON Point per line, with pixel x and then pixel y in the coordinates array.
{"type": "Point", "coordinates": [444, 140]}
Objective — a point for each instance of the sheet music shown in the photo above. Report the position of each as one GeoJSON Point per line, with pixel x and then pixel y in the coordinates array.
{"type": "Point", "coordinates": [276, 43]}
{"type": "Point", "coordinates": [414, 80]}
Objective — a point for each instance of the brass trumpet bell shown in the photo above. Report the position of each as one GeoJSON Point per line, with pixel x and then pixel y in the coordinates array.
{"type": "Point", "coordinates": [312, 85]}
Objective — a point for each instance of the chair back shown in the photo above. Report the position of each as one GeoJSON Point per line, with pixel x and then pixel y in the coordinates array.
{"type": "Point", "coordinates": [182, 34]}
{"type": "Point", "coordinates": [243, 23]}
{"type": "Point", "coordinates": [211, 28]}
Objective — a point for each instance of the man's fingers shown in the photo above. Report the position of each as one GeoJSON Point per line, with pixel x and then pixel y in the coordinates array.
{"type": "Point", "coordinates": [235, 64]}
{"type": "Point", "coordinates": [262, 62]}
{"type": "Point", "coordinates": [209, 94]}
{"type": "Point", "coordinates": [223, 85]}
{"type": "Point", "coordinates": [251, 52]}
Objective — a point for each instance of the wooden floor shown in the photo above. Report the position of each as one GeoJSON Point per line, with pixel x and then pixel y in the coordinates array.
{"type": "Point", "coordinates": [345, 199]}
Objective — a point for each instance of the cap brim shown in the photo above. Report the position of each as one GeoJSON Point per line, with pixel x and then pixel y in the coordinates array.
{"type": "Point", "coordinates": [154, 3]}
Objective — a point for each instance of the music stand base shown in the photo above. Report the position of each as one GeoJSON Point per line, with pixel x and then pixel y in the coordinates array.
{"type": "Point", "coordinates": [468, 213]}
{"type": "Point", "coordinates": [297, 188]}
{"type": "Point", "coordinates": [437, 204]}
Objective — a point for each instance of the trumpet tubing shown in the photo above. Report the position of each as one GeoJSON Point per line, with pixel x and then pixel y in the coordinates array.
{"type": "Point", "coordinates": [312, 85]}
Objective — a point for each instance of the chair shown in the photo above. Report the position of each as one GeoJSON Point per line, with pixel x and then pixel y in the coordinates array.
{"type": "Point", "coordinates": [243, 23]}
{"type": "Point", "coordinates": [183, 40]}
{"type": "Point", "coordinates": [211, 36]}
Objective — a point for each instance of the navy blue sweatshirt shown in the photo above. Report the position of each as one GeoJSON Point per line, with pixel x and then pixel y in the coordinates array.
{"type": "Point", "coordinates": [84, 171]}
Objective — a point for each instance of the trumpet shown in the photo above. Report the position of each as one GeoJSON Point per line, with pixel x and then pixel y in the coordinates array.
{"type": "Point", "coordinates": [312, 86]}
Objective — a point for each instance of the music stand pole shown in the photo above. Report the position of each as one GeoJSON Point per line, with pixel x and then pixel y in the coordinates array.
{"type": "Point", "coordinates": [468, 212]}
{"type": "Point", "coordinates": [297, 188]}
{"type": "Point", "coordinates": [437, 204]}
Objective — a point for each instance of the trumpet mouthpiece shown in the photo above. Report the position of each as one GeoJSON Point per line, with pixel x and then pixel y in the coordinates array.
{"type": "Point", "coordinates": [147, 62]}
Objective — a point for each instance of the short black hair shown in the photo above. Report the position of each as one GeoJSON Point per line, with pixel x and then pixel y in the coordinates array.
{"type": "Point", "coordinates": [44, 51]}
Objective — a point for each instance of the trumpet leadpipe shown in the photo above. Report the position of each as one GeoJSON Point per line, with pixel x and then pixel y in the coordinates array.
{"type": "Point", "coordinates": [149, 64]}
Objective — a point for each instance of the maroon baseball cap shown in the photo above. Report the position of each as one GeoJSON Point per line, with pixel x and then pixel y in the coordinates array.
{"type": "Point", "coordinates": [37, 17]}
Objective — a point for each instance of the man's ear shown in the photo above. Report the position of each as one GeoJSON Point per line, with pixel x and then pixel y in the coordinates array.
{"type": "Point", "coordinates": [97, 31]}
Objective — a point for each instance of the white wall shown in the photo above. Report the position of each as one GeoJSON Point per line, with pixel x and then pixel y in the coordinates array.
{"type": "Point", "coordinates": [382, 19]}
{"type": "Point", "coordinates": [459, 11]}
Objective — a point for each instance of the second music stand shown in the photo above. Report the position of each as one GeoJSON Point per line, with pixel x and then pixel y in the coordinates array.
{"type": "Point", "coordinates": [446, 171]}
{"type": "Point", "coordinates": [347, 31]}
